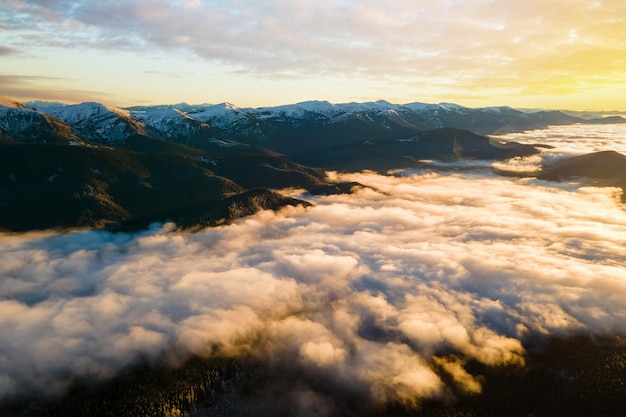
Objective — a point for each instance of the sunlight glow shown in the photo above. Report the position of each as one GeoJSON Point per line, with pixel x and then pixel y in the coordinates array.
{"type": "Point", "coordinates": [532, 54]}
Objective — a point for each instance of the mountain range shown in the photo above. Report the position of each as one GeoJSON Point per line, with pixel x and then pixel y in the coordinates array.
{"type": "Point", "coordinates": [93, 165]}
{"type": "Point", "coordinates": [287, 129]}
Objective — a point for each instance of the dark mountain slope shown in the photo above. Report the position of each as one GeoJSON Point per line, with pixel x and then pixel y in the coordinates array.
{"type": "Point", "coordinates": [44, 186]}
{"type": "Point", "coordinates": [554, 117]}
{"type": "Point", "coordinates": [237, 206]}
{"type": "Point", "coordinates": [600, 165]}
{"type": "Point", "coordinates": [605, 120]}
{"type": "Point", "coordinates": [606, 168]}
{"type": "Point", "coordinates": [261, 168]}
{"type": "Point", "coordinates": [314, 135]}
{"type": "Point", "coordinates": [459, 144]}
{"type": "Point", "coordinates": [249, 166]}
{"type": "Point", "coordinates": [445, 144]}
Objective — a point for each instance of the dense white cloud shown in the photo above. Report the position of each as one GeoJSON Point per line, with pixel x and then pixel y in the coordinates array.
{"type": "Point", "coordinates": [377, 288]}
{"type": "Point", "coordinates": [575, 139]}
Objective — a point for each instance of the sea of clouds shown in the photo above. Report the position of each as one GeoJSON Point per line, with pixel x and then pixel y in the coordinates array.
{"type": "Point", "coordinates": [382, 290]}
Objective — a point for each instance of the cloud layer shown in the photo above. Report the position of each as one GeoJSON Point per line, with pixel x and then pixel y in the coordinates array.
{"type": "Point", "coordinates": [373, 290]}
{"type": "Point", "coordinates": [563, 142]}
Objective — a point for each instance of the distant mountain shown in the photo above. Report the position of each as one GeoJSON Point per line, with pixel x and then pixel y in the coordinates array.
{"type": "Point", "coordinates": [599, 165]}
{"type": "Point", "coordinates": [175, 125]}
{"type": "Point", "coordinates": [91, 164]}
{"type": "Point", "coordinates": [294, 128]}
{"type": "Point", "coordinates": [602, 168]}
{"type": "Point", "coordinates": [445, 144]}
{"type": "Point", "coordinates": [606, 120]}
{"type": "Point", "coordinates": [311, 126]}
{"type": "Point", "coordinates": [23, 124]}
{"type": "Point", "coordinates": [98, 122]}
{"type": "Point", "coordinates": [589, 114]}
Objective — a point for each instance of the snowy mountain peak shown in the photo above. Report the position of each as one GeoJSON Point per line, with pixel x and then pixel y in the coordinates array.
{"type": "Point", "coordinates": [452, 106]}
{"type": "Point", "coordinates": [228, 106]}
{"type": "Point", "coordinates": [73, 113]}
{"type": "Point", "coordinates": [118, 111]}
{"type": "Point", "coordinates": [182, 113]}
{"type": "Point", "coordinates": [22, 123]}
{"type": "Point", "coordinates": [380, 106]}
{"type": "Point", "coordinates": [222, 115]}
{"type": "Point", "coordinates": [419, 106]}
{"type": "Point", "coordinates": [299, 110]}
{"type": "Point", "coordinates": [286, 128]}
{"type": "Point", "coordinates": [100, 122]}
{"type": "Point", "coordinates": [41, 104]}
{"type": "Point", "coordinates": [310, 105]}
{"type": "Point", "coordinates": [498, 109]}
{"type": "Point", "coordinates": [170, 122]}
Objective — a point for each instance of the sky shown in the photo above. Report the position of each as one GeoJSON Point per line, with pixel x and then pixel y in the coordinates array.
{"type": "Point", "coordinates": [386, 292]}
{"type": "Point", "coordinates": [567, 54]}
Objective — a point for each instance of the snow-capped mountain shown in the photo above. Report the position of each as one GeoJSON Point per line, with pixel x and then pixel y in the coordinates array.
{"type": "Point", "coordinates": [205, 164]}
{"type": "Point", "coordinates": [323, 112]}
{"type": "Point", "coordinates": [99, 122]}
{"type": "Point", "coordinates": [289, 129]}
{"type": "Point", "coordinates": [21, 123]}
{"type": "Point", "coordinates": [170, 122]}
{"type": "Point", "coordinates": [321, 109]}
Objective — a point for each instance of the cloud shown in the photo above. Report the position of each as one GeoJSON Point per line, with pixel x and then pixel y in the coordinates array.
{"type": "Point", "coordinates": [25, 87]}
{"type": "Point", "coordinates": [5, 50]}
{"type": "Point", "coordinates": [487, 45]}
{"type": "Point", "coordinates": [574, 140]}
{"type": "Point", "coordinates": [380, 293]}
{"type": "Point", "coordinates": [165, 74]}
{"type": "Point", "coordinates": [455, 368]}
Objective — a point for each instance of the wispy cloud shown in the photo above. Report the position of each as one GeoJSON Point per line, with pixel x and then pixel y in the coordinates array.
{"type": "Point", "coordinates": [5, 50]}
{"type": "Point", "coordinates": [166, 74]}
{"type": "Point", "coordinates": [27, 86]}
{"type": "Point", "coordinates": [564, 45]}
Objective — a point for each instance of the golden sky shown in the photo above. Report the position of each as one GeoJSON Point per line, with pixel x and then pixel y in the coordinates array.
{"type": "Point", "coordinates": [568, 54]}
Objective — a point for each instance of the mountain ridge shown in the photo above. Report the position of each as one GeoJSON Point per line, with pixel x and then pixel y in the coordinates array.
{"type": "Point", "coordinates": [94, 165]}
{"type": "Point", "coordinates": [269, 126]}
